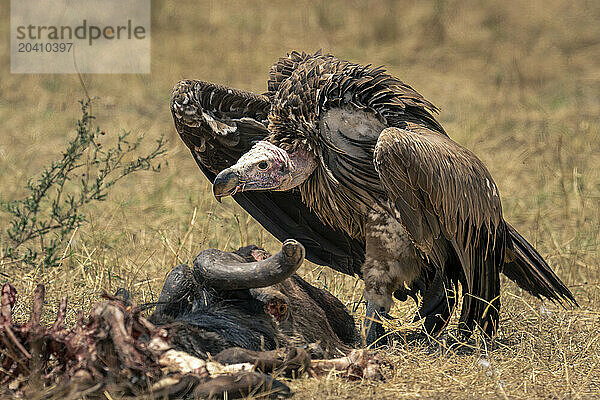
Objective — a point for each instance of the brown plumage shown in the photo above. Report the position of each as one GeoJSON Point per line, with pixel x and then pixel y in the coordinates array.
{"type": "Point", "coordinates": [425, 210]}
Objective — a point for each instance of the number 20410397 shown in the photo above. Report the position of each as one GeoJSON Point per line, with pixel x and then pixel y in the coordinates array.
{"type": "Point", "coordinates": [44, 47]}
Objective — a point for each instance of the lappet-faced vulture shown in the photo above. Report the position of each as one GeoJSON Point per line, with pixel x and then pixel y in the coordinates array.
{"type": "Point", "coordinates": [352, 163]}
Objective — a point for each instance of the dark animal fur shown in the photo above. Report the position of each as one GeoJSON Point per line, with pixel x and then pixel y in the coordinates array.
{"type": "Point", "coordinates": [204, 320]}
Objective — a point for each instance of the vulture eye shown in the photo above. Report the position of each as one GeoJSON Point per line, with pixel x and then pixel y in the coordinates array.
{"type": "Point", "coordinates": [263, 165]}
{"type": "Point", "coordinates": [282, 309]}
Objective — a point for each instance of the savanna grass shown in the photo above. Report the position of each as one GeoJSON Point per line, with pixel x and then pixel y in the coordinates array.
{"type": "Point", "coordinates": [517, 82]}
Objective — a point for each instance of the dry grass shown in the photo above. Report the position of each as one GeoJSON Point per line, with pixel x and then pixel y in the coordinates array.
{"type": "Point", "coordinates": [518, 83]}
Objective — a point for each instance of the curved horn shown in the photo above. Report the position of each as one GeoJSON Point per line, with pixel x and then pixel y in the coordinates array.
{"type": "Point", "coordinates": [229, 271]}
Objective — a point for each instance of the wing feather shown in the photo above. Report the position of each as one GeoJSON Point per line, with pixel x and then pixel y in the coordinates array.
{"type": "Point", "coordinates": [432, 173]}
{"type": "Point", "coordinates": [449, 204]}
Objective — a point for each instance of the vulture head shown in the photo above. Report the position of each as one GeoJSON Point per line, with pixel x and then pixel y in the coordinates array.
{"type": "Point", "coordinates": [265, 167]}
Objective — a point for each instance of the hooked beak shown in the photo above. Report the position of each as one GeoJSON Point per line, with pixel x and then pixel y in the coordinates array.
{"type": "Point", "coordinates": [226, 184]}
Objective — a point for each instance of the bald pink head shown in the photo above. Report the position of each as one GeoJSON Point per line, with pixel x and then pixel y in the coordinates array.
{"type": "Point", "coordinates": [265, 167]}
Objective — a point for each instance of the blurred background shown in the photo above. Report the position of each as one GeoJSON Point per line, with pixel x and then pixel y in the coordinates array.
{"type": "Point", "coordinates": [517, 82]}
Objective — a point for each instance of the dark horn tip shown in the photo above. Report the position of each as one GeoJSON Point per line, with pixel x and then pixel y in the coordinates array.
{"type": "Point", "coordinates": [293, 250]}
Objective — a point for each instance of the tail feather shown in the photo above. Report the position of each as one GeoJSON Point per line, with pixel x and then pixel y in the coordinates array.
{"type": "Point", "coordinates": [529, 270]}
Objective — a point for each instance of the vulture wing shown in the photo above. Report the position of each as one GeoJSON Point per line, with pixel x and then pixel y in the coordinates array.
{"type": "Point", "coordinates": [450, 206]}
{"type": "Point", "coordinates": [219, 124]}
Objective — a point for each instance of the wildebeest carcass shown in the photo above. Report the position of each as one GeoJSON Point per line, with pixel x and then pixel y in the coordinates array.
{"type": "Point", "coordinates": [218, 329]}
{"type": "Point", "coordinates": [250, 300]}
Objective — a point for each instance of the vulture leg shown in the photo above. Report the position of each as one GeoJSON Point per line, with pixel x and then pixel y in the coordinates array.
{"type": "Point", "coordinates": [437, 305]}
{"type": "Point", "coordinates": [372, 327]}
{"type": "Point", "coordinates": [391, 263]}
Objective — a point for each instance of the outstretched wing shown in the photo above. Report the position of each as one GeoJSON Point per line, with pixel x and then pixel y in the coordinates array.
{"type": "Point", "coordinates": [449, 204]}
{"type": "Point", "coordinates": [219, 124]}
